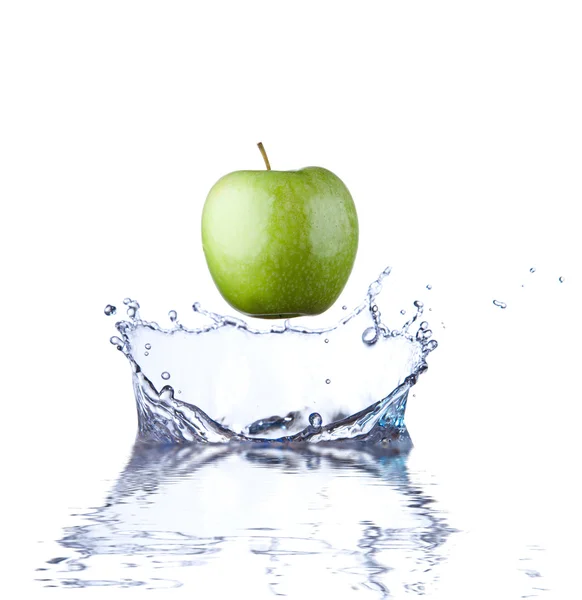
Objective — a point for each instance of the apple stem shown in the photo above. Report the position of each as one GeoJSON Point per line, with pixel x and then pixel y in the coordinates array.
{"type": "Point", "coordinates": [265, 157]}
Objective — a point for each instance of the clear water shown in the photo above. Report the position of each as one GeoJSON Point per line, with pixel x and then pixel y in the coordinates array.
{"type": "Point", "coordinates": [225, 381]}
{"type": "Point", "coordinates": [360, 514]}
{"type": "Point", "coordinates": [334, 520]}
{"type": "Point", "coordinates": [215, 511]}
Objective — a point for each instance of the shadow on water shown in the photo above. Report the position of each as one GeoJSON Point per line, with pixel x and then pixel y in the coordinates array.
{"type": "Point", "coordinates": [347, 519]}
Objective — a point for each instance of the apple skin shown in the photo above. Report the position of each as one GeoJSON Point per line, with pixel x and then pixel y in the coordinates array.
{"type": "Point", "coordinates": [280, 244]}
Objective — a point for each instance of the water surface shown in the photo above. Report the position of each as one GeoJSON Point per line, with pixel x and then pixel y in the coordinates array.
{"type": "Point", "coordinates": [263, 521]}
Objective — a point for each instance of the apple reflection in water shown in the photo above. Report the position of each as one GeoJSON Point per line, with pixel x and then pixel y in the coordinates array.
{"type": "Point", "coordinates": [270, 516]}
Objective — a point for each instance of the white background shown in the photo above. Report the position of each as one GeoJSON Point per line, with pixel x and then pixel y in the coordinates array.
{"type": "Point", "coordinates": [457, 127]}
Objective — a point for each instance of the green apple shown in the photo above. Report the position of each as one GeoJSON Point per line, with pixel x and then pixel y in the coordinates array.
{"type": "Point", "coordinates": [280, 244]}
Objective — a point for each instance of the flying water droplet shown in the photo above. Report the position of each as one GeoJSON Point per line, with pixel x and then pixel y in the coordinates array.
{"type": "Point", "coordinates": [165, 375]}
{"type": "Point", "coordinates": [561, 279]}
{"type": "Point", "coordinates": [326, 341]}
{"type": "Point", "coordinates": [418, 304]}
{"type": "Point", "coordinates": [370, 336]}
{"type": "Point", "coordinates": [328, 381]}
{"type": "Point", "coordinates": [500, 304]}
{"type": "Point", "coordinates": [148, 346]}
{"type": "Point", "coordinates": [402, 312]}
{"type": "Point", "coordinates": [428, 286]}
{"type": "Point", "coordinates": [315, 420]}
{"type": "Point", "coordinates": [423, 325]}
{"type": "Point", "coordinates": [375, 308]}
{"type": "Point", "coordinates": [344, 307]}
{"type": "Point", "coordinates": [173, 316]}
{"type": "Point", "coordinates": [110, 310]}
{"type": "Point", "coordinates": [146, 353]}
{"type": "Point", "coordinates": [126, 301]}
{"type": "Point", "coordinates": [532, 270]}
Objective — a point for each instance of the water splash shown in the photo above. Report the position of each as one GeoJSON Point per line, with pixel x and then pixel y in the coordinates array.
{"type": "Point", "coordinates": [500, 304]}
{"type": "Point", "coordinates": [235, 381]}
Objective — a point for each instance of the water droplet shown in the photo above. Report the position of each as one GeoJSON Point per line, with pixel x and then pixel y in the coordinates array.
{"type": "Point", "coordinates": [423, 333]}
{"type": "Point", "coordinates": [418, 304]}
{"type": "Point", "coordinates": [374, 308]}
{"type": "Point", "coordinates": [428, 286]}
{"type": "Point", "coordinates": [402, 312]}
{"type": "Point", "coordinates": [500, 304]}
{"type": "Point", "coordinates": [344, 307]}
{"type": "Point", "coordinates": [532, 270]}
{"type": "Point", "coordinates": [167, 393]}
{"type": "Point", "coordinates": [326, 341]}
{"type": "Point", "coordinates": [432, 345]}
{"type": "Point", "coordinates": [110, 310]}
{"type": "Point", "coordinates": [315, 420]}
{"type": "Point", "coordinates": [370, 336]}
{"type": "Point", "coordinates": [561, 279]}
{"type": "Point", "coordinates": [146, 353]}
{"type": "Point", "coordinates": [179, 391]}
{"type": "Point", "coordinates": [328, 381]}
{"type": "Point", "coordinates": [165, 375]}
{"type": "Point", "coordinates": [148, 346]}
{"type": "Point", "coordinates": [131, 312]}
{"type": "Point", "coordinates": [126, 300]}
{"type": "Point", "coordinates": [116, 342]}
{"type": "Point", "coordinates": [173, 316]}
